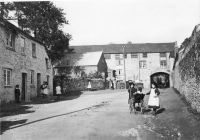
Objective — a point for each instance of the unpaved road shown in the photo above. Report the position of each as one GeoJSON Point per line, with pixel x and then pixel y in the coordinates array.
{"type": "Point", "coordinates": [104, 115]}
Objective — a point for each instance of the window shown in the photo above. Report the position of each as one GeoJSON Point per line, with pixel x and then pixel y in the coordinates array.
{"type": "Point", "coordinates": [119, 62]}
{"type": "Point", "coordinates": [23, 45]}
{"type": "Point", "coordinates": [125, 55]}
{"type": "Point", "coordinates": [32, 77]}
{"type": "Point", "coordinates": [119, 72]}
{"type": "Point", "coordinates": [33, 50]}
{"type": "Point", "coordinates": [107, 56]}
{"type": "Point", "coordinates": [117, 56]}
{"type": "Point", "coordinates": [162, 54]}
{"type": "Point", "coordinates": [163, 63]}
{"type": "Point", "coordinates": [48, 66]}
{"type": "Point", "coordinates": [143, 64]}
{"type": "Point", "coordinates": [10, 40]}
{"type": "Point", "coordinates": [7, 77]}
{"type": "Point", "coordinates": [134, 55]}
{"type": "Point", "coordinates": [144, 55]}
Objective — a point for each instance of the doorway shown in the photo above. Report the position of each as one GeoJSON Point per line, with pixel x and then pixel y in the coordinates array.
{"type": "Point", "coordinates": [161, 79]}
{"type": "Point", "coordinates": [38, 84]}
{"type": "Point", "coordinates": [24, 86]}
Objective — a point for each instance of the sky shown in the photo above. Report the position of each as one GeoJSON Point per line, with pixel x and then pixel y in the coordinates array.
{"type": "Point", "coordinates": [96, 22]}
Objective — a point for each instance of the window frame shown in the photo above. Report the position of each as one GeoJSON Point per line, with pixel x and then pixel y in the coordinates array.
{"type": "Point", "coordinates": [23, 46]}
{"type": "Point", "coordinates": [117, 56]}
{"type": "Point", "coordinates": [10, 40]}
{"type": "Point", "coordinates": [34, 50]}
{"type": "Point", "coordinates": [134, 54]}
{"type": "Point", "coordinates": [161, 64]}
{"type": "Point", "coordinates": [144, 55]}
{"type": "Point", "coordinates": [143, 64]}
{"type": "Point", "coordinates": [125, 55]}
{"type": "Point", "coordinates": [163, 55]}
{"type": "Point", "coordinates": [119, 62]}
{"type": "Point", "coordinates": [47, 62]}
{"type": "Point", "coordinates": [5, 79]}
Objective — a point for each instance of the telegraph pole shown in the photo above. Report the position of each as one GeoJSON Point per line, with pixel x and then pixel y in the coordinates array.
{"type": "Point", "coordinates": [124, 65]}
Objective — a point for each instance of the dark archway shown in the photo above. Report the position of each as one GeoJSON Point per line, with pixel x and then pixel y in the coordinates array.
{"type": "Point", "coordinates": [161, 79]}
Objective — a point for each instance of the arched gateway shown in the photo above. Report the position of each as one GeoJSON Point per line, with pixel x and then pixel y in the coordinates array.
{"type": "Point", "coordinates": [161, 79]}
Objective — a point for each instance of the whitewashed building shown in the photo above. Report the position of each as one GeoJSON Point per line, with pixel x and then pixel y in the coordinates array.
{"type": "Point", "coordinates": [144, 62]}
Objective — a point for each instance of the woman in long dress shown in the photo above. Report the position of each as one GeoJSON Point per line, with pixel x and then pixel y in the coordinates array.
{"type": "Point", "coordinates": [89, 87]}
{"type": "Point", "coordinates": [58, 91]}
{"type": "Point", "coordinates": [45, 89]}
{"type": "Point", "coordinates": [154, 101]}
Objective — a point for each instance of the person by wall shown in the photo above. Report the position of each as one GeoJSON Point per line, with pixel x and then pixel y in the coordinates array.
{"type": "Point", "coordinates": [17, 94]}
{"type": "Point", "coordinates": [89, 87]}
{"type": "Point", "coordinates": [58, 91]}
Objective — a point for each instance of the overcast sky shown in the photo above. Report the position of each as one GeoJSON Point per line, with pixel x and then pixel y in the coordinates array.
{"type": "Point", "coordinates": [138, 21]}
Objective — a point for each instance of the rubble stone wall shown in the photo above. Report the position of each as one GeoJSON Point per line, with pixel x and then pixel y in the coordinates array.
{"type": "Point", "coordinates": [187, 73]}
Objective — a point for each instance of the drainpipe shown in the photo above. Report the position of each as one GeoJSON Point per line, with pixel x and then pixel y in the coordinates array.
{"type": "Point", "coordinates": [139, 67]}
{"type": "Point", "coordinates": [124, 65]}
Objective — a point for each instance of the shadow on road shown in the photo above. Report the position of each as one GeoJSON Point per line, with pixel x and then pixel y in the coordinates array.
{"type": "Point", "coordinates": [160, 110]}
{"type": "Point", "coordinates": [14, 109]}
{"type": "Point", "coordinates": [24, 108]}
{"type": "Point", "coordinates": [5, 125]}
{"type": "Point", "coordinates": [52, 99]}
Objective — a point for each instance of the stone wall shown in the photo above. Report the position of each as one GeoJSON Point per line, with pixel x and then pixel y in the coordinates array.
{"type": "Point", "coordinates": [19, 63]}
{"type": "Point", "coordinates": [79, 84]}
{"type": "Point", "coordinates": [187, 71]}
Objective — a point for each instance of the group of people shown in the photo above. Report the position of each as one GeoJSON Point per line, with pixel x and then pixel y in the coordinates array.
{"type": "Point", "coordinates": [153, 101]}
{"type": "Point", "coordinates": [44, 91]}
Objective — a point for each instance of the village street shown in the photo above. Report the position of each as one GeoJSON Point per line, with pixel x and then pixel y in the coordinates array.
{"type": "Point", "coordinates": [103, 115]}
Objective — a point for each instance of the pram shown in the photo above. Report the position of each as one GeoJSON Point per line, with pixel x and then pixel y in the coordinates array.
{"type": "Point", "coordinates": [137, 98]}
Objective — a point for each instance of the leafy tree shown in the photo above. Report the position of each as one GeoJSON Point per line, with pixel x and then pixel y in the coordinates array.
{"type": "Point", "coordinates": [44, 20]}
{"type": "Point", "coordinates": [95, 74]}
{"type": "Point", "coordinates": [4, 9]}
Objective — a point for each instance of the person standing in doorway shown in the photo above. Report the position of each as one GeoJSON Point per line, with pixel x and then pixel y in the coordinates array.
{"type": "Point", "coordinates": [114, 84]}
{"type": "Point", "coordinates": [46, 92]}
{"type": "Point", "coordinates": [17, 94]}
{"type": "Point", "coordinates": [58, 91]}
{"type": "Point", "coordinates": [44, 89]}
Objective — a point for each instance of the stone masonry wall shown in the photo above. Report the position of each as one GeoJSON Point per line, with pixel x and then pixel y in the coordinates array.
{"type": "Point", "coordinates": [78, 84]}
{"type": "Point", "coordinates": [20, 63]}
{"type": "Point", "coordinates": [187, 73]}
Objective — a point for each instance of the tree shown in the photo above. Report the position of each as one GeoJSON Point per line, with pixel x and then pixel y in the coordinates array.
{"type": "Point", "coordinates": [44, 20]}
{"type": "Point", "coordinates": [4, 9]}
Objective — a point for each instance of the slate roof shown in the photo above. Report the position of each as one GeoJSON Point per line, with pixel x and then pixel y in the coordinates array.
{"type": "Point", "coordinates": [81, 59]}
{"type": "Point", "coordinates": [117, 48]}
{"type": "Point", "coordinates": [6, 23]}
{"type": "Point", "coordinates": [89, 59]}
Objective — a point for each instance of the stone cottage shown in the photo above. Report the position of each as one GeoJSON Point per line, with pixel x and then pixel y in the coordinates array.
{"type": "Point", "coordinates": [23, 61]}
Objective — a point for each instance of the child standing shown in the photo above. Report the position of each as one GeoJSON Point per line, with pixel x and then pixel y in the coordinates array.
{"type": "Point", "coordinates": [153, 101]}
{"type": "Point", "coordinates": [17, 94]}
{"type": "Point", "coordinates": [58, 91]}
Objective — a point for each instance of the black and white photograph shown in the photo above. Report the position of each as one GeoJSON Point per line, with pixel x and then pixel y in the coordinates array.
{"type": "Point", "coordinates": [100, 70]}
